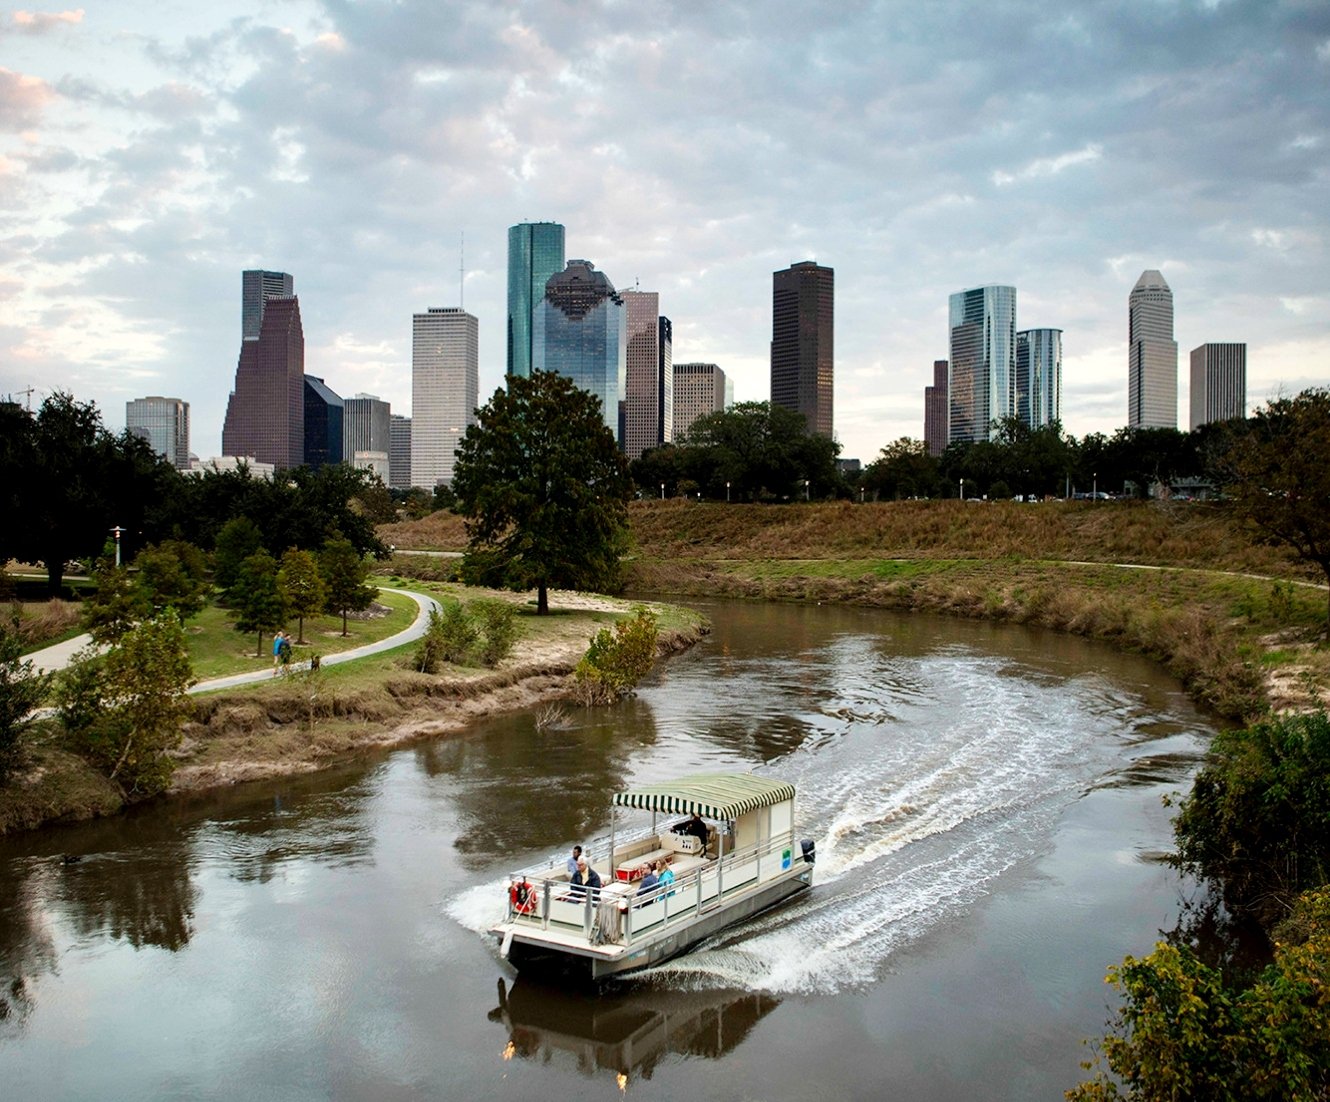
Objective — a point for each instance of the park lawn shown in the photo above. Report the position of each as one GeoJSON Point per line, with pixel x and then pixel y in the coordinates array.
{"type": "Point", "coordinates": [216, 649]}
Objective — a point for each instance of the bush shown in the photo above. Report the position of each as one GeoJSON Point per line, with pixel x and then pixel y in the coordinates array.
{"type": "Point", "coordinates": [1257, 820]}
{"type": "Point", "coordinates": [498, 630]}
{"type": "Point", "coordinates": [617, 660]}
{"type": "Point", "coordinates": [21, 690]}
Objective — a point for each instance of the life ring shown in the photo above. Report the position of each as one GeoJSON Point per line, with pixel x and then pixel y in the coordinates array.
{"type": "Point", "coordinates": [522, 896]}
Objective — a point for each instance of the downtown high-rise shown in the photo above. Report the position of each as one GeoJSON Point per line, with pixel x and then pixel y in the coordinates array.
{"type": "Point", "coordinates": [1039, 377]}
{"type": "Point", "coordinates": [256, 287]}
{"type": "Point", "coordinates": [699, 389]}
{"type": "Point", "coordinates": [1152, 355]}
{"type": "Point", "coordinates": [1218, 383]}
{"type": "Point", "coordinates": [648, 399]}
{"type": "Point", "coordinates": [803, 342]}
{"type": "Point", "coordinates": [535, 252]}
{"type": "Point", "coordinates": [323, 424]}
{"type": "Point", "coordinates": [580, 331]}
{"type": "Point", "coordinates": [445, 390]}
{"type": "Point", "coordinates": [981, 377]}
{"type": "Point", "coordinates": [164, 424]}
{"type": "Point", "coordinates": [935, 410]}
{"type": "Point", "coordinates": [265, 415]}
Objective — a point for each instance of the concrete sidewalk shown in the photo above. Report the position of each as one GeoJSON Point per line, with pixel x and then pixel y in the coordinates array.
{"type": "Point", "coordinates": [59, 656]}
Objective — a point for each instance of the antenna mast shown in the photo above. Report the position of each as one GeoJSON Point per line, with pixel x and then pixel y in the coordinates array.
{"type": "Point", "coordinates": [461, 271]}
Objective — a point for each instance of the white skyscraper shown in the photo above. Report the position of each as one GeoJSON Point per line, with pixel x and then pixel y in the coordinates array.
{"type": "Point", "coordinates": [1218, 383]}
{"type": "Point", "coordinates": [445, 390]}
{"type": "Point", "coordinates": [1152, 355]}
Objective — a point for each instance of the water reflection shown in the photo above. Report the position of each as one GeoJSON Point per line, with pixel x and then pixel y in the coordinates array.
{"type": "Point", "coordinates": [27, 949]}
{"type": "Point", "coordinates": [627, 1031]}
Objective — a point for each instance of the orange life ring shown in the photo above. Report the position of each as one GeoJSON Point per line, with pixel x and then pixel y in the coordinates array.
{"type": "Point", "coordinates": [522, 896]}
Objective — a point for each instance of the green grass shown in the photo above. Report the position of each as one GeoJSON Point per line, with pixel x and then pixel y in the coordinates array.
{"type": "Point", "coordinates": [216, 649]}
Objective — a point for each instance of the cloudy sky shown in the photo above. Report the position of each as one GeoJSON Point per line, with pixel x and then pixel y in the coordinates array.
{"type": "Point", "coordinates": [150, 152]}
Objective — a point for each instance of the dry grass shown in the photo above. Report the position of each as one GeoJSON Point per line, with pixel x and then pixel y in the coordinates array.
{"type": "Point", "coordinates": [441, 531]}
{"type": "Point", "coordinates": [41, 623]}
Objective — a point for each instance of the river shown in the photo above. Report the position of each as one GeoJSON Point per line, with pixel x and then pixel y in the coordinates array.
{"type": "Point", "coordinates": [986, 802]}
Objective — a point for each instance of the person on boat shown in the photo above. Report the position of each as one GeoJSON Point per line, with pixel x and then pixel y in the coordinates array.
{"type": "Point", "coordinates": [572, 861]}
{"type": "Point", "coordinates": [665, 874]}
{"type": "Point", "coordinates": [697, 828]}
{"type": "Point", "coordinates": [585, 876]}
{"type": "Point", "coordinates": [649, 881]}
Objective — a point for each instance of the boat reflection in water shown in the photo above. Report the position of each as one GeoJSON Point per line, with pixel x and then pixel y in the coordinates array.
{"type": "Point", "coordinates": [625, 1031]}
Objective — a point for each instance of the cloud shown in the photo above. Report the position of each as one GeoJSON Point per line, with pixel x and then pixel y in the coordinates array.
{"type": "Point", "coordinates": [37, 22]}
{"type": "Point", "coordinates": [22, 99]}
{"type": "Point", "coordinates": [1049, 166]}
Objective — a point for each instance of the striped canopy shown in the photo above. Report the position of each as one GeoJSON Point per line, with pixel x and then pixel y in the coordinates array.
{"type": "Point", "coordinates": [715, 795]}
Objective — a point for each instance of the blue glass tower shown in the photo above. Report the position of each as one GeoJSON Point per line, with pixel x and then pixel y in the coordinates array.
{"type": "Point", "coordinates": [981, 381]}
{"type": "Point", "coordinates": [580, 330]}
{"type": "Point", "coordinates": [535, 252]}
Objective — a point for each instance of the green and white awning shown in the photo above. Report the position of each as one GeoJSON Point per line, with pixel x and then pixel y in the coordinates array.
{"type": "Point", "coordinates": [714, 795]}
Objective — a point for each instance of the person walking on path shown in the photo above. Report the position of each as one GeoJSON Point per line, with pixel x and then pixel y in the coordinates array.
{"type": "Point", "coordinates": [277, 658]}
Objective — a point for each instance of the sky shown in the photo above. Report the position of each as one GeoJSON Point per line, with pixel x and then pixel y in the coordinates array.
{"type": "Point", "coordinates": [379, 151]}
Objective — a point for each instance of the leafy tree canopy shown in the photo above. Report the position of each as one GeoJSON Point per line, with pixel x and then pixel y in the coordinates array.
{"type": "Point", "coordinates": [544, 489]}
{"type": "Point", "coordinates": [256, 599]}
{"type": "Point", "coordinates": [343, 571]}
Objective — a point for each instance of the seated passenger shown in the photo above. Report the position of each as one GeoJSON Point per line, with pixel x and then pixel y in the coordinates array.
{"type": "Point", "coordinates": [584, 877]}
{"type": "Point", "coordinates": [648, 882]}
{"type": "Point", "coordinates": [572, 861]}
{"type": "Point", "coordinates": [697, 828]}
{"type": "Point", "coordinates": [665, 874]}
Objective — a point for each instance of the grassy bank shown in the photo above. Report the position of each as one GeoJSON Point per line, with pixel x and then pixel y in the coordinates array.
{"type": "Point", "coordinates": [308, 720]}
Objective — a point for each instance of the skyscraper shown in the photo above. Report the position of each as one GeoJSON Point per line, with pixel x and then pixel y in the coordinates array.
{"type": "Point", "coordinates": [365, 425]}
{"type": "Point", "coordinates": [699, 389]}
{"type": "Point", "coordinates": [445, 390]}
{"type": "Point", "coordinates": [649, 376]}
{"type": "Point", "coordinates": [1039, 377]}
{"type": "Point", "coordinates": [1218, 383]}
{"type": "Point", "coordinates": [935, 410]}
{"type": "Point", "coordinates": [802, 342]}
{"type": "Point", "coordinates": [1152, 355]}
{"type": "Point", "coordinates": [265, 417]}
{"type": "Point", "coordinates": [981, 377]}
{"type": "Point", "coordinates": [323, 424]}
{"type": "Point", "coordinates": [164, 424]}
{"type": "Point", "coordinates": [580, 331]}
{"type": "Point", "coordinates": [399, 452]}
{"type": "Point", "coordinates": [535, 252]}
{"type": "Point", "coordinates": [256, 287]}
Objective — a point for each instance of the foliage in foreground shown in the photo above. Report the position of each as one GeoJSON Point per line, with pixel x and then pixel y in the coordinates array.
{"type": "Point", "coordinates": [124, 711]}
{"type": "Point", "coordinates": [617, 660]}
{"type": "Point", "coordinates": [1257, 820]}
{"type": "Point", "coordinates": [1182, 1033]}
{"type": "Point", "coordinates": [21, 690]}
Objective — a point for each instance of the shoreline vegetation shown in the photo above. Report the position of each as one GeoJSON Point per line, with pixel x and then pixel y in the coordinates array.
{"type": "Point", "coordinates": [311, 720]}
{"type": "Point", "coordinates": [1239, 623]}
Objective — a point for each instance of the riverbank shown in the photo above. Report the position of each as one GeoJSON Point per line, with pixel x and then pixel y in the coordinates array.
{"type": "Point", "coordinates": [308, 720]}
{"type": "Point", "coordinates": [1240, 623]}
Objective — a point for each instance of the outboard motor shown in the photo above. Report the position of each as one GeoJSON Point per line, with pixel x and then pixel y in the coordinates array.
{"type": "Point", "coordinates": [810, 851]}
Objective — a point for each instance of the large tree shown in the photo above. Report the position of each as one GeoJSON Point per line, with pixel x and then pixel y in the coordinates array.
{"type": "Point", "coordinates": [302, 587]}
{"type": "Point", "coordinates": [544, 489]}
{"type": "Point", "coordinates": [257, 603]}
{"type": "Point", "coordinates": [343, 570]}
{"type": "Point", "coordinates": [1276, 471]}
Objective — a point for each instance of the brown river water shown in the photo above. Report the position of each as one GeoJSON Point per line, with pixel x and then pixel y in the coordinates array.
{"type": "Point", "coordinates": [986, 802]}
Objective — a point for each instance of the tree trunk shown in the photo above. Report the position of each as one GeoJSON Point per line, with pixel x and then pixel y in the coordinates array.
{"type": "Point", "coordinates": [542, 600]}
{"type": "Point", "coordinates": [55, 576]}
{"type": "Point", "coordinates": [259, 652]}
{"type": "Point", "coordinates": [300, 631]}
{"type": "Point", "coordinates": [344, 631]}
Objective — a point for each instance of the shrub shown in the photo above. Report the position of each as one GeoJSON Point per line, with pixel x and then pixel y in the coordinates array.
{"type": "Point", "coordinates": [21, 690]}
{"type": "Point", "coordinates": [498, 630]}
{"type": "Point", "coordinates": [617, 660]}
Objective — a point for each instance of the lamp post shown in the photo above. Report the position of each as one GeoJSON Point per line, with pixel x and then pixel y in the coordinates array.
{"type": "Point", "coordinates": [962, 489]}
{"type": "Point", "coordinates": [1095, 495]}
{"type": "Point", "coordinates": [662, 491]}
{"type": "Point", "coordinates": [727, 493]}
{"type": "Point", "coordinates": [116, 531]}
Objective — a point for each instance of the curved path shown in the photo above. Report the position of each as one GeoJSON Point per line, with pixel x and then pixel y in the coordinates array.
{"type": "Point", "coordinates": [58, 657]}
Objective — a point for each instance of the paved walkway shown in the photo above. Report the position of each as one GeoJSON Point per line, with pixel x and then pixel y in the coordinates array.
{"type": "Point", "coordinates": [58, 656]}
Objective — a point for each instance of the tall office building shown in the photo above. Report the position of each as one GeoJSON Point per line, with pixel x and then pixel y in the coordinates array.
{"type": "Point", "coordinates": [323, 424]}
{"type": "Point", "coordinates": [1218, 383]}
{"type": "Point", "coordinates": [1039, 377]}
{"type": "Point", "coordinates": [699, 389]}
{"type": "Point", "coordinates": [256, 287]}
{"type": "Point", "coordinates": [1152, 355]}
{"type": "Point", "coordinates": [580, 331]}
{"type": "Point", "coordinates": [399, 452]}
{"type": "Point", "coordinates": [164, 424]}
{"type": "Point", "coordinates": [935, 410]}
{"type": "Point", "coordinates": [981, 376]}
{"type": "Point", "coordinates": [445, 390]}
{"type": "Point", "coordinates": [265, 416]}
{"type": "Point", "coordinates": [535, 252]}
{"type": "Point", "coordinates": [802, 342]}
{"type": "Point", "coordinates": [649, 376]}
{"type": "Point", "coordinates": [365, 425]}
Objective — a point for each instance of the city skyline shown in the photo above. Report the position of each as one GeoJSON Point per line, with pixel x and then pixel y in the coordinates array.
{"type": "Point", "coordinates": [149, 155]}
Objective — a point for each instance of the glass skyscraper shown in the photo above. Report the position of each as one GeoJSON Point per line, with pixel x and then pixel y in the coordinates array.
{"type": "Point", "coordinates": [535, 252]}
{"type": "Point", "coordinates": [265, 416]}
{"type": "Point", "coordinates": [256, 287]}
{"type": "Point", "coordinates": [1152, 355]}
{"type": "Point", "coordinates": [579, 330]}
{"type": "Point", "coordinates": [1039, 377]}
{"type": "Point", "coordinates": [981, 379]}
{"type": "Point", "coordinates": [164, 424]}
{"type": "Point", "coordinates": [323, 424]}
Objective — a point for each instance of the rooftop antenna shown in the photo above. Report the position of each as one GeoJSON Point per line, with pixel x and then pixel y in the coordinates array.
{"type": "Point", "coordinates": [461, 272]}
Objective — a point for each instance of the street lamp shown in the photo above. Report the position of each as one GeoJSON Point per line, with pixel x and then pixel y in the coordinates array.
{"type": "Point", "coordinates": [116, 531]}
{"type": "Point", "coordinates": [662, 491]}
{"type": "Point", "coordinates": [1095, 495]}
{"type": "Point", "coordinates": [962, 489]}
{"type": "Point", "coordinates": [727, 493]}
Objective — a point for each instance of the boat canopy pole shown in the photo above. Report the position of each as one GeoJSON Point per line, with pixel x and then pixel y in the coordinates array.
{"type": "Point", "coordinates": [609, 863]}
